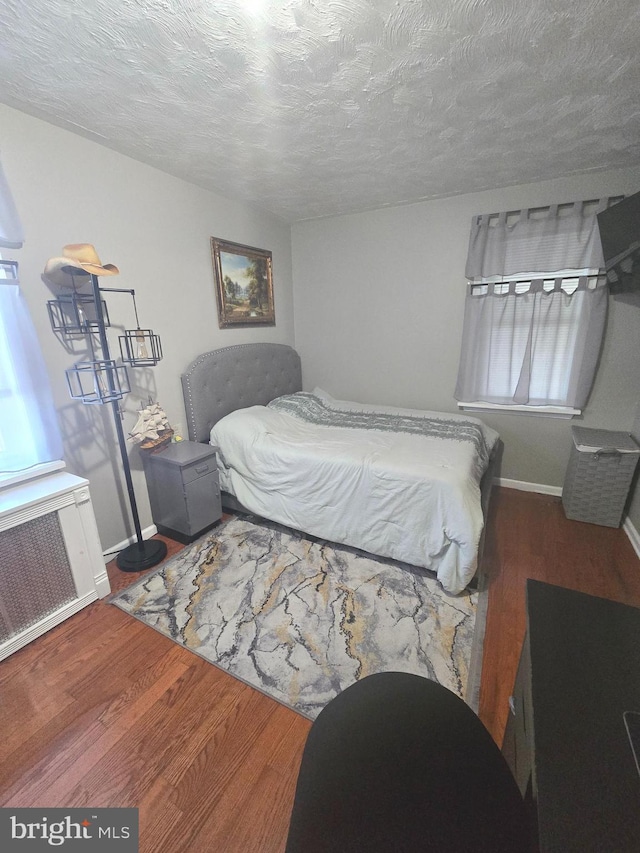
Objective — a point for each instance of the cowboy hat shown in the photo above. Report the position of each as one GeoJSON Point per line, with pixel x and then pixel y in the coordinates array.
{"type": "Point", "coordinates": [85, 256]}
{"type": "Point", "coordinates": [73, 271]}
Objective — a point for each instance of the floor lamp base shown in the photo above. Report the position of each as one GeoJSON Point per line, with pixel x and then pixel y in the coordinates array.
{"type": "Point", "coordinates": [141, 555]}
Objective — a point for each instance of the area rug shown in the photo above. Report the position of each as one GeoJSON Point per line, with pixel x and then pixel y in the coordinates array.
{"type": "Point", "coordinates": [301, 619]}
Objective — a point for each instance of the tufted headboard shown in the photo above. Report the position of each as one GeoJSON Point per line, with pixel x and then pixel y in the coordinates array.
{"type": "Point", "coordinates": [223, 380]}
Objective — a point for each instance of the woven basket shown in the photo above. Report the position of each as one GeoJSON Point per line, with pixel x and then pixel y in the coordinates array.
{"type": "Point", "coordinates": [599, 475]}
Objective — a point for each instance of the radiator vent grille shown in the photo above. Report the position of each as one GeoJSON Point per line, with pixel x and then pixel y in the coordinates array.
{"type": "Point", "coordinates": [35, 575]}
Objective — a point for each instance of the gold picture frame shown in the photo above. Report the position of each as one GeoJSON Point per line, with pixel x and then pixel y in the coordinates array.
{"type": "Point", "coordinates": [244, 285]}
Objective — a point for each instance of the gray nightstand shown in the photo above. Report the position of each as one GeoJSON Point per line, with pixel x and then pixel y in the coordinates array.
{"type": "Point", "coordinates": [184, 490]}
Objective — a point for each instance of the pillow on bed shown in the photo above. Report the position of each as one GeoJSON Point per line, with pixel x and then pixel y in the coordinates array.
{"type": "Point", "coordinates": [324, 395]}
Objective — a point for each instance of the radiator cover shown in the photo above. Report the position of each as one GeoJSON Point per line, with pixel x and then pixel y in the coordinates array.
{"type": "Point", "coordinates": [51, 562]}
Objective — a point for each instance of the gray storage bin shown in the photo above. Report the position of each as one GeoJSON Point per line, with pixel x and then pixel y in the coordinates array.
{"type": "Point", "coordinates": [599, 475]}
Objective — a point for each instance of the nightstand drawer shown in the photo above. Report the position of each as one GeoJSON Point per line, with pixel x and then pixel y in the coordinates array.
{"type": "Point", "coordinates": [199, 469]}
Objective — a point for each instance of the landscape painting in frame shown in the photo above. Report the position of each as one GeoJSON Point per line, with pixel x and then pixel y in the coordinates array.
{"type": "Point", "coordinates": [244, 286]}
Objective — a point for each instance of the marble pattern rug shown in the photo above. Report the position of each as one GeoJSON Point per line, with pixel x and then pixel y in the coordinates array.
{"type": "Point", "coordinates": [301, 619]}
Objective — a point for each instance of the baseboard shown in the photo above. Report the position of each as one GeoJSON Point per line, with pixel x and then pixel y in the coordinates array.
{"type": "Point", "coordinates": [110, 553]}
{"type": "Point", "coordinates": [632, 533]}
{"type": "Point", "coordinates": [556, 491]}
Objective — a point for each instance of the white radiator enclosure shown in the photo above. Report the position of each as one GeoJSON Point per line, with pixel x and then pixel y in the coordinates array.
{"type": "Point", "coordinates": [51, 562]}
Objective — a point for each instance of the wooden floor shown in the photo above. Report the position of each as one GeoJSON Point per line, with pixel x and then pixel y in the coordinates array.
{"type": "Point", "coordinates": [105, 711]}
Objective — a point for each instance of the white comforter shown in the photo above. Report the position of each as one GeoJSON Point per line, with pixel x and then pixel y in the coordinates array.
{"type": "Point", "coordinates": [411, 494]}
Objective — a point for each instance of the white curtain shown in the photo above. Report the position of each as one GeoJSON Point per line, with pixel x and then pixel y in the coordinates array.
{"type": "Point", "coordinates": [533, 342]}
{"type": "Point", "coordinates": [11, 235]}
{"type": "Point", "coordinates": [538, 348]}
{"type": "Point", "coordinates": [29, 433]}
{"type": "Point", "coordinates": [560, 237]}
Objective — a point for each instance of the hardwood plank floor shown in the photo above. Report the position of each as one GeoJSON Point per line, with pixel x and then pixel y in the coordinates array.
{"type": "Point", "coordinates": [528, 536]}
{"type": "Point", "coordinates": [105, 711]}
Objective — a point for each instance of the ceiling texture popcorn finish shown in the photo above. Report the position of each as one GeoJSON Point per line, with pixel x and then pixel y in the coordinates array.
{"type": "Point", "coordinates": [312, 108]}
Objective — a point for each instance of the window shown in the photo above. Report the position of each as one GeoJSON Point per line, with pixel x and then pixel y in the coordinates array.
{"type": "Point", "coordinates": [13, 422]}
{"type": "Point", "coordinates": [531, 339]}
{"type": "Point", "coordinates": [29, 434]}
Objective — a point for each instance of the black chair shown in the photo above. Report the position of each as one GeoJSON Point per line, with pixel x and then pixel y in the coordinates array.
{"type": "Point", "coordinates": [399, 763]}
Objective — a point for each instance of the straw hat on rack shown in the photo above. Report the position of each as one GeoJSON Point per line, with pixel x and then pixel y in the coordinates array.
{"type": "Point", "coordinates": [73, 270]}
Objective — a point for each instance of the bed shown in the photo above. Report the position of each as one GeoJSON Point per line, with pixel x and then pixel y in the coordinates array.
{"type": "Point", "coordinates": [402, 484]}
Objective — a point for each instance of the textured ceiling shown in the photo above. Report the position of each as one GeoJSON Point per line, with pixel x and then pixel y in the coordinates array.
{"type": "Point", "coordinates": [315, 107]}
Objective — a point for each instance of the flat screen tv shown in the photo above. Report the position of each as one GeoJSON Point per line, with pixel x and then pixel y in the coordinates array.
{"type": "Point", "coordinates": [620, 236]}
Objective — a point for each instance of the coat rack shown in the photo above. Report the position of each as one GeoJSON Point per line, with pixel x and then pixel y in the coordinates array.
{"type": "Point", "coordinates": [78, 312]}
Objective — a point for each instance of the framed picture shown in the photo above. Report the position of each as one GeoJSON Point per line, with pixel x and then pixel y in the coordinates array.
{"type": "Point", "coordinates": [244, 287]}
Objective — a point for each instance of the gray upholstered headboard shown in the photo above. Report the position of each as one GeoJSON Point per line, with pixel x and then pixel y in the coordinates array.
{"type": "Point", "coordinates": [221, 381]}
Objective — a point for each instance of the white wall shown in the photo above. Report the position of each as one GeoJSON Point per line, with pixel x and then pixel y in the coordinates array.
{"type": "Point", "coordinates": [379, 302]}
{"type": "Point", "coordinates": [379, 297]}
{"type": "Point", "coordinates": [156, 229]}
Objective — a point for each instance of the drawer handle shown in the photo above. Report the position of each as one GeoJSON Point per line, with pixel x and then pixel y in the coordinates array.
{"type": "Point", "coordinates": [202, 469]}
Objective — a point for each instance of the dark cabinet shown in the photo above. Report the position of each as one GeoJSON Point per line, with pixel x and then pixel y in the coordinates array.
{"type": "Point", "coordinates": [517, 746]}
{"type": "Point", "coordinates": [566, 740]}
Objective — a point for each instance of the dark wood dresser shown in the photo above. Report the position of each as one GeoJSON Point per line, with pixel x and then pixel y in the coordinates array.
{"type": "Point", "coordinates": [566, 739]}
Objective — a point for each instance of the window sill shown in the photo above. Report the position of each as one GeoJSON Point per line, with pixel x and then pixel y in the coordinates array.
{"type": "Point", "coordinates": [537, 411]}
{"type": "Point", "coordinates": [14, 477]}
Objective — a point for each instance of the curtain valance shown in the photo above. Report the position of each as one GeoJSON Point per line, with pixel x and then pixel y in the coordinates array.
{"type": "Point", "coordinates": [564, 284]}
{"type": "Point", "coordinates": [542, 240]}
{"type": "Point", "coordinates": [11, 233]}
